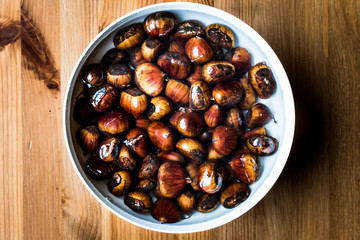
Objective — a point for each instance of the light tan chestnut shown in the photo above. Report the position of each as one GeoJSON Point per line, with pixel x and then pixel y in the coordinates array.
{"type": "Point", "coordinates": [120, 182]}
{"type": "Point", "coordinates": [214, 116]}
{"type": "Point", "coordinates": [192, 149]}
{"type": "Point", "coordinates": [119, 75]}
{"type": "Point", "coordinates": [187, 202]}
{"type": "Point", "coordinates": [126, 160]}
{"type": "Point", "coordinates": [200, 96]}
{"type": "Point", "coordinates": [161, 135]}
{"type": "Point", "coordinates": [172, 179]}
{"type": "Point", "coordinates": [249, 96]}
{"type": "Point", "coordinates": [151, 48]}
{"type": "Point", "coordinates": [133, 101]}
{"type": "Point", "coordinates": [192, 170]}
{"type": "Point", "coordinates": [150, 79]}
{"type": "Point", "coordinates": [178, 91]}
{"type": "Point", "coordinates": [217, 71]}
{"type": "Point", "coordinates": [262, 80]}
{"type": "Point", "coordinates": [129, 37]}
{"type": "Point", "coordinates": [198, 50]}
{"type": "Point", "coordinates": [225, 139]}
{"type": "Point", "coordinates": [159, 108]}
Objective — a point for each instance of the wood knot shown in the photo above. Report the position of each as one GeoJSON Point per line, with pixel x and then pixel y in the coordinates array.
{"type": "Point", "coordinates": [10, 31]}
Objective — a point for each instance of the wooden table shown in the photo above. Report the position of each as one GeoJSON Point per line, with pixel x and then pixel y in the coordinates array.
{"type": "Point", "coordinates": [316, 197]}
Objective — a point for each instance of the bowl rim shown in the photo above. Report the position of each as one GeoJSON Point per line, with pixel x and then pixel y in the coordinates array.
{"type": "Point", "coordinates": [228, 217]}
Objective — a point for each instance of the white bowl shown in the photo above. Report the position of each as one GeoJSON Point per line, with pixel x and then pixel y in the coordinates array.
{"type": "Point", "coordinates": [281, 104]}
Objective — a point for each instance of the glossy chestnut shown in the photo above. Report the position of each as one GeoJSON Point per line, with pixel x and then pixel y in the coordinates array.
{"type": "Point", "coordinates": [149, 167]}
{"type": "Point", "coordinates": [137, 140]}
{"type": "Point", "coordinates": [213, 154]}
{"type": "Point", "coordinates": [178, 91]}
{"type": "Point", "coordinates": [254, 132]}
{"type": "Point", "coordinates": [142, 122]}
{"type": "Point", "coordinates": [225, 139]}
{"type": "Point", "coordinates": [249, 97]}
{"type": "Point", "coordinates": [166, 211]}
{"type": "Point", "coordinates": [211, 177]}
{"type": "Point", "coordinates": [227, 94]}
{"type": "Point", "coordinates": [187, 201]}
{"type": "Point", "coordinates": [200, 96]}
{"type": "Point", "coordinates": [192, 149]}
{"type": "Point", "coordinates": [88, 138]}
{"type": "Point", "coordinates": [262, 80]}
{"type": "Point", "coordinates": [214, 116]}
{"type": "Point", "coordinates": [258, 115]}
{"type": "Point", "coordinates": [151, 48]}
{"type": "Point", "coordinates": [160, 24]}
{"type": "Point", "coordinates": [234, 118]}
{"type": "Point", "coordinates": [83, 112]}
{"type": "Point", "coordinates": [174, 64]}
{"type": "Point", "coordinates": [245, 167]}
{"type": "Point", "coordinates": [114, 56]}
{"type": "Point", "coordinates": [104, 97]}
{"type": "Point", "coordinates": [113, 122]}
{"type": "Point", "coordinates": [149, 78]}
{"type": "Point", "coordinates": [97, 169]}
{"type": "Point", "coordinates": [177, 45]}
{"type": "Point", "coordinates": [173, 156]}
{"type": "Point", "coordinates": [240, 58]}
{"type": "Point", "coordinates": [189, 29]}
{"type": "Point", "coordinates": [221, 35]}
{"type": "Point", "coordinates": [161, 135]}
{"type": "Point", "coordinates": [262, 145]}
{"type": "Point", "coordinates": [146, 184]}
{"type": "Point", "coordinates": [172, 179]}
{"type": "Point", "coordinates": [217, 71]}
{"type": "Point", "coordinates": [126, 160]}
{"type": "Point", "coordinates": [133, 101]}
{"type": "Point", "coordinates": [119, 183]}
{"type": "Point", "coordinates": [159, 108]}
{"type": "Point", "coordinates": [129, 37]}
{"type": "Point", "coordinates": [93, 74]}
{"type": "Point", "coordinates": [198, 50]}
{"type": "Point", "coordinates": [234, 194]}
{"type": "Point", "coordinates": [206, 136]}
{"type": "Point", "coordinates": [190, 124]}
{"type": "Point", "coordinates": [195, 75]}
{"type": "Point", "coordinates": [119, 75]}
{"type": "Point", "coordinates": [192, 170]}
{"type": "Point", "coordinates": [109, 149]}
{"type": "Point", "coordinates": [138, 201]}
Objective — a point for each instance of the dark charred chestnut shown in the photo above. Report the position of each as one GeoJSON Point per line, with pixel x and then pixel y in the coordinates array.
{"type": "Point", "coordinates": [113, 122]}
{"type": "Point", "coordinates": [88, 138]}
{"type": "Point", "coordinates": [159, 107]}
{"type": "Point", "coordinates": [234, 194]}
{"type": "Point", "coordinates": [136, 57]}
{"type": "Point", "coordinates": [133, 101]}
{"type": "Point", "coordinates": [198, 50]}
{"type": "Point", "coordinates": [234, 118]}
{"type": "Point", "coordinates": [161, 135]}
{"type": "Point", "coordinates": [160, 24]}
{"type": "Point", "coordinates": [211, 177]}
{"type": "Point", "coordinates": [249, 96]}
{"type": "Point", "coordinates": [137, 140]}
{"type": "Point", "coordinates": [97, 169]}
{"type": "Point", "coordinates": [166, 211]}
{"type": "Point", "coordinates": [120, 183]}
{"type": "Point", "coordinates": [258, 115]}
{"type": "Point", "coordinates": [225, 139]}
{"type": "Point", "coordinates": [192, 149]}
{"type": "Point", "coordinates": [119, 75]}
{"type": "Point", "coordinates": [126, 160]}
{"type": "Point", "coordinates": [93, 74]}
{"type": "Point", "coordinates": [177, 45]}
{"type": "Point", "coordinates": [217, 71]}
{"type": "Point", "coordinates": [174, 64]}
{"type": "Point", "coordinates": [129, 37]}
{"type": "Point", "coordinates": [142, 122]}
{"type": "Point", "coordinates": [138, 201]}
{"type": "Point", "coordinates": [214, 116]}
{"type": "Point", "coordinates": [104, 98]}
{"type": "Point", "coordinates": [195, 75]}
{"type": "Point", "coordinates": [151, 48]}
{"type": "Point", "coordinates": [262, 145]}
{"type": "Point", "coordinates": [178, 91]}
{"type": "Point", "coordinates": [192, 170]}
{"type": "Point", "coordinates": [149, 79]}
{"type": "Point", "coordinates": [109, 149]}
{"type": "Point", "coordinates": [200, 96]}
{"type": "Point", "coordinates": [206, 135]}
{"type": "Point", "coordinates": [262, 80]}
{"type": "Point", "coordinates": [190, 124]}
{"type": "Point", "coordinates": [187, 202]}
{"type": "Point", "coordinates": [240, 58]}
{"type": "Point", "coordinates": [220, 35]}
{"type": "Point", "coordinates": [189, 29]}
{"type": "Point", "coordinates": [227, 94]}
{"type": "Point", "coordinates": [83, 112]}
{"type": "Point", "coordinates": [245, 167]}
{"type": "Point", "coordinates": [255, 132]}
{"type": "Point", "coordinates": [218, 51]}
{"type": "Point", "coordinates": [149, 167]}
{"type": "Point", "coordinates": [207, 203]}
{"type": "Point", "coordinates": [147, 184]}
{"type": "Point", "coordinates": [172, 179]}
{"type": "Point", "coordinates": [173, 156]}
{"type": "Point", "coordinates": [114, 56]}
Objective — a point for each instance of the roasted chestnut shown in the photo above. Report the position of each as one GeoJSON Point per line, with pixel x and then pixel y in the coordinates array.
{"type": "Point", "coordinates": [97, 169]}
{"type": "Point", "coordinates": [126, 160]}
{"type": "Point", "coordinates": [189, 29]}
{"type": "Point", "coordinates": [174, 64]}
{"type": "Point", "coordinates": [224, 139]}
{"type": "Point", "coordinates": [192, 149]}
{"type": "Point", "coordinates": [133, 101]}
{"type": "Point", "coordinates": [114, 56]}
{"type": "Point", "coordinates": [234, 118]}
{"type": "Point", "coordinates": [172, 179]}
{"type": "Point", "coordinates": [217, 71]}
{"type": "Point", "coordinates": [151, 48]}
{"type": "Point", "coordinates": [187, 202]}
{"type": "Point", "coordinates": [147, 184]}
{"type": "Point", "coordinates": [177, 45]}
{"type": "Point", "coordinates": [161, 135]}
{"type": "Point", "coordinates": [200, 96]}
{"type": "Point", "coordinates": [149, 167]}
{"type": "Point", "coordinates": [88, 138]}
{"type": "Point", "coordinates": [138, 201]}
{"type": "Point", "coordinates": [109, 149]}
{"type": "Point", "coordinates": [190, 124]}
{"type": "Point", "coordinates": [240, 58]}
{"type": "Point", "coordinates": [195, 75]}
{"type": "Point", "coordinates": [173, 156]}
{"type": "Point", "coordinates": [262, 80]}
{"type": "Point", "coordinates": [93, 74]}
{"type": "Point", "coordinates": [142, 122]}
{"type": "Point", "coordinates": [262, 145]}
{"type": "Point", "coordinates": [207, 203]}
{"type": "Point", "coordinates": [119, 75]}
{"type": "Point", "coordinates": [120, 183]}
{"type": "Point", "coordinates": [166, 211]}
{"type": "Point", "coordinates": [178, 91]}
{"type": "Point", "coordinates": [234, 194]}
{"type": "Point", "coordinates": [258, 115]}
{"type": "Point", "coordinates": [227, 94]}
{"type": "Point", "coordinates": [160, 24]}
{"type": "Point", "coordinates": [214, 116]}
{"type": "Point", "coordinates": [113, 122]}
{"type": "Point", "coordinates": [159, 107]}
{"type": "Point", "coordinates": [198, 50]}
{"type": "Point", "coordinates": [149, 78]}
{"type": "Point", "coordinates": [104, 98]}
{"type": "Point", "coordinates": [249, 97]}
{"type": "Point", "coordinates": [206, 135]}
{"type": "Point", "coordinates": [218, 51]}
{"type": "Point", "coordinates": [254, 132]}
{"type": "Point", "coordinates": [220, 35]}
{"type": "Point", "coordinates": [136, 57]}
{"type": "Point", "coordinates": [213, 154]}
{"type": "Point", "coordinates": [211, 177]}
{"type": "Point", "coordinates": [83, 112]}
{"type": "Point", "coordinates": [245, 167]}
{"type": "Point", "coordinates": [129, 37]}
{"type": "Point", "coordinates": [137, 140]}
{"type": "Point", "coordinates": [192, 170]}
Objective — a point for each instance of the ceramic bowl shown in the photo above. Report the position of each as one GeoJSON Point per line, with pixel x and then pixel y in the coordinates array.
{"type": "Point", "coordinates": [281, 104]}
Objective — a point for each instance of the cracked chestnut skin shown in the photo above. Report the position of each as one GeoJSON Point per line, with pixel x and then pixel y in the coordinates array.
{"type": "Point", "coordinates": [138, 201]}
{"type": "Point", "coordinates": [104, 98]}
{"type": "Point", "coordinates": [129, 37]}
{"type": "Point", "coordinates": [200, 96]}
{"type": "Point", "coordinates": [174, 64]}
{"type": "Point", "coordinates": [220, 35]}
{"type": "Point", "coordinates": [97, 169]}
{"type": "Point", "coordinates": [217, 71]}
{"type": "Point", "coordinates": [262, 145]}
{"type": "Point", "coordinates": [114, 56]}
{"type": "Point", "coordinates": [198, 50]}
{"type": "Point", "coordinates": [119, 75]}
{"type": "Point", "coordinates": [234, 194]}
{"type": "Point", "coordinates": [189, 29]}
{"type": "Point", "coordinates": [207, 203]}
{"type": "Point", "coordinates": [262, 80]}
{"type": "Point", "coordinates": [240, 58]}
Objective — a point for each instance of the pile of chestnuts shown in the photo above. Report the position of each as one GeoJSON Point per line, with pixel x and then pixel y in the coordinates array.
{"type": "Point", "coordinates": [171, 114]}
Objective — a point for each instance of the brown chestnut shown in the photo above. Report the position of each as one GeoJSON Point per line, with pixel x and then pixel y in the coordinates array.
{"type": "Point", "coordinates": [149, 167]}
{"type": "Point", "coordinates": [129, 37]}
{"type": "Point", "coordinates": [103, 98]}
{"type": "Point", "coordinates": [120, 183]}
{"type": "Point", "coordinates": [88, 138]}
{"type": "Point", "coordinates": [200, 96]}
{"type": "Point", "coordinates": [262, 80]}
{"type": "Point", "coordinates": [234, 194]}
{"type": "Point", "coordinates": [187, 202]}
{"type": "Point", "coordinates": [262, 145]}
{"type": "Point", "coordinates": [189, 29]}
{"type": "Point", "coordinates": [217, 71]}
{"type": "Point", "coordinates": [227, 94]}
{"type": "Point", "coordinates": [207, 203]}
{"type": "Point", "coordinates": [119, 75]}
{"type": "Point", "coordinates": [192, 170]}
{"type": "Point", "coordinates": [151, 48]}
{"type": "Point", "coordinates": [149, 78]}
{"type": "Point", "coordinates": [147, 184]}
{"type": "Point", "coordinates": [258, 115]}
{"type": "Point", "coordinates": [133, 101]}
{"type": "Point", "coordinates": [113, 122]}
{"type": "Point", "coordinates": [245, 167]}
{"type": "Point", "coordinates": [159, 107]}
{"type": "Point", "coordinates": [114, 56]}
{"type": "Point", "coordinates": [126, 160]}
{"type": "Point", "coordinates": [166, 211]}
{"type": "Point", "coordinates": [178, 91]}
{"type": "Point", "coordinates": [137, 140]}
{"type": "Point", "coordinates": [161, 135]}
{"type": "Point", "coordinates": [225, 139]}
{"type": "Point", "coordinates": [138, 201]}
{"type": "Point", "coordinates": [83, 112]}
{"type": "Point", "coordinates": [218, 51]}
{"type": "Point", "coordinates": [234, 118]}
{"type": "Point", "coordinates": [160, 24]}
{"type": "Point", "coordinates": [213, 154]}
{"type": "Point", "coordinates": [249, 96]}
{"type": "Point", "coordinates": [173, 156]}
{"type": "Point", "coordinates": [174, 64]}
{"type": "Point", "coordinates": [109, 149]}
{"type": "Point", "coordinates": [214, 116]}
{"type": "Point", "coordinates": [206, 135]}
{"type": "Point", "coordinates": [195, 75]}
{"type": "Point", "coordinates": [211, 177]}
{"type": "Point", "coordinates": [172, 179]}
{"type": "Point", "coordinates": [198, 50]}
{"type": "Point", "coordinates": [136, 57]}
{"type": "Point", "coordinates": [255, 132]}
{"type": "Point", "coordinates": [220, 35]}
{"type": "Point", "coordinates": [240, 58]}
{"type": "Point", "coordinates": [190, 124]}
{"type": "Point", "coordinates": [97, 169]}
{"type": "Point", "coordinates": [177, 45]}
{"type": "Point", "coordinates": [142, 122]}
{"type": "Point", "coordinates": [93, 74]}
{"type": "Point", "coordinates": [192, 149]}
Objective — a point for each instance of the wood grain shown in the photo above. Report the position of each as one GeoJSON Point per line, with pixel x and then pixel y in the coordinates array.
{"type": "Point", "coordinates": [316, 197]}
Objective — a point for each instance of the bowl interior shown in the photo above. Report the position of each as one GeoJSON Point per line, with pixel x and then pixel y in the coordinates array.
{"type": "Point", "coordinates": [281, 104]}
